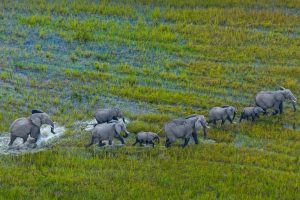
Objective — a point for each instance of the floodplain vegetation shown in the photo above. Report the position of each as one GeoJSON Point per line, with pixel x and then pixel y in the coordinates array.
{"type": "Point", "coordinates": [156, 60]}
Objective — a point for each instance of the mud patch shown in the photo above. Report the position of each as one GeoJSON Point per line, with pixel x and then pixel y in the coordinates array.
{"type": "Point", "coordinates": [45, 141]}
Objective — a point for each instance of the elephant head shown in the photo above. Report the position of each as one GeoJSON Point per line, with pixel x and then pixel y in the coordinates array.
{"type": "Point", "coordinates": [198, 121]}
{"type": "Point", "coordinates": [231, 111]}
{"type": "Point", "coordinates": [257, 110]}
{"type": "Point", "coordinates": [38, 118]}
{"type": "Point", "coordinates": [288, 95]}
{"type": "Point", "coordinates": [119, 114]}
{"type": "Point", "coordinates": [119, 127]}
{"type": "Point", "coordinates": [156, 137]}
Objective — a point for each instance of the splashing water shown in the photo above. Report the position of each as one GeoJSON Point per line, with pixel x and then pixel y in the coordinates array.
{"type": "Point", "coordinates": [46, 139]}
{"type": "Point", "coordinates": [88, 125]}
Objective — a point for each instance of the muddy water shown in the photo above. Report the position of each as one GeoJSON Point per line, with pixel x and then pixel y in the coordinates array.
{"type": "Point", "coordinates": [45, 141]}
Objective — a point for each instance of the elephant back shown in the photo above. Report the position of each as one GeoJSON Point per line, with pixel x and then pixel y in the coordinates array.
{"type": "Point", "coordinates": [21, 126]}
{"type": "Point", "coordinates": [178, 127]}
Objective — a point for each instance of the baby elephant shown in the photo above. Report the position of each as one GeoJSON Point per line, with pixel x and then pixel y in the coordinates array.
{"type": "Point", "coordinates": [251, 112]}
{"type": "Point", "coordinates": [108, 131]}
{"type": "Point", "coordinates": [221, 113]}
{"type": "Point", "coordinates": [147, 138]}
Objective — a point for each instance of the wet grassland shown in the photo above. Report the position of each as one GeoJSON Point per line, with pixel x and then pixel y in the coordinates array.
{"type": "Point", "coordinates": [156, 60]}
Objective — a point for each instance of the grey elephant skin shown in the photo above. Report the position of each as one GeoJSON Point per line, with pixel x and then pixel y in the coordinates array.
{"type": "Point", "coordinates": [252, 111]}
{"type": "Point", "coordinates": [185, 128]}
{"type": "Point", "coordinates": [221, 113]}
{"type": "Point", "coordinates": [108, 131]}
{"type": "Point", "coordinates": [23, 127]}
{"type": "Point", "coordinates": [146, 138]}
{"type": "Point", "coordinates": [107, 114]}
{"type": "Point", "coordinates": [275, 99]}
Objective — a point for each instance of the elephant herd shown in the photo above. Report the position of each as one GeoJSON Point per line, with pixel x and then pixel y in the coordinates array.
{"type": "Point", "coordinates": [109, 126]}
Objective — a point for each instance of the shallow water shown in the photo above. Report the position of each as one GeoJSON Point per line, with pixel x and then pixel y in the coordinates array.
{"type": "Point", "coordinates": [45, 141]}
{"type": "Point", "coordinates": [246, 141]}
{"type": "Point", "coordinates": [292, 126]}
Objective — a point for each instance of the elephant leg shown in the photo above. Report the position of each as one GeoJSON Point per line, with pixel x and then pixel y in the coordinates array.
{"type": "Point", "coordinates": [241, 118]}
{"type": "Point", "coordinates": [168, 143]}
{"type": "Point", "coordinates": [110, 142]}
{"type": "Point", "coordinates": [152, 143]}
{"type": "Point", "coordinates": [186, 141]}
{"type": "Point", "coordinates": [223, 121]}
{"type": "Point", "coordinates": [25, 139]}
{"type": "Point", "coordinates": [91, 143]}
{"type": "Point", "coordinates": [253, 118]}
{"type": "Point", "coordinates": [136, 141]}
{"type": "Point", "coordinates": [35, 140]}
{"type": "Point", "coordinates": [121, 139]}
{"type": "Point", "coordinates": [141, 143]}
{"type": "Point", "coordinates": [147, 143]}
{"type": "Point", "coordinates": [229, 119]}
{"type": "Point", "coordinates": [276, 108]}
{"type": "Point", "coordinates": [215, 122]}
{"type": "Point", "coordinates": [12, 139]}
{"type": "Point", "coordinates": [100, 144]}
{"type": "Point", "coordinates": [281, 108]}
{"type": "Point", "coordinates": [265, 112]}
{"type": "Point", "coordinates": [195, 136]}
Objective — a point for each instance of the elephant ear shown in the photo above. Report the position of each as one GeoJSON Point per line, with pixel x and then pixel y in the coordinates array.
{"type": "Point", "coordinates": [229, 110]}
{"type": "Point", "coordinates": [36, 119]}
{"type": "Point", "coordinates": [118, 129]}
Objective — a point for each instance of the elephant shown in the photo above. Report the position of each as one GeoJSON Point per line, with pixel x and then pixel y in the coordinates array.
{"type": "Point", "coordinates": [221, 113]}
{"type": "Point", "coordinates": [252, 111]}
{"type": "Point", "coordinates": [146, 137]}
{"type": "Point", "coordinates": [107, 131]}
{"type": "Point", "coordinates": [108, 114]}
{"type": "Point", "coordinates": [23, 127]}
{"type": "Point", "coordinates": [275, 99]}
{"type": "Point", "coordinates": [185, 128]}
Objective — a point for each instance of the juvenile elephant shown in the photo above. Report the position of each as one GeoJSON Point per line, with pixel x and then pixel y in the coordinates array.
{"type": "Point", "coordinates": [23, 127]}
{"type": "Point", "coordinates": [185, 128]}
{"type": "Point", "coordinates": [221, 113]}
{"type": "Point", "coordinates": [147, 138]}
{"type": "Point", "coordinates": [108, 114]}
{"type": "Point", "coordinates": [251, 112]}
{"type": "Point", "coordinates": [108, 131]}
{"type": "Point", "coordinates": [275, 99]}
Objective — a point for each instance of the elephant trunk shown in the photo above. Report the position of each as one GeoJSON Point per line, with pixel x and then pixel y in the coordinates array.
{"type": "Point", "coordinates": [204, 124]}
{"type": "Point", "coordinates": [294, 105]}
{"type": "Point", "coordinates": [157, 139]}
{"type": "Point", "coordinates": [52, 126]}
{"type": "Point", "coordinates": [126, 133]}
{"type": "Point", "coordinates": [205, 132]}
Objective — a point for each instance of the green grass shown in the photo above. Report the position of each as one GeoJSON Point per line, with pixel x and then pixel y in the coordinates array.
{"type": "Point", "coordinates": [156, 60]}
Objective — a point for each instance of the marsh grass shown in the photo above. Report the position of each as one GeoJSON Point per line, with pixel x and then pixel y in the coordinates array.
{"type": "Point", "coordinates": [157, 60]}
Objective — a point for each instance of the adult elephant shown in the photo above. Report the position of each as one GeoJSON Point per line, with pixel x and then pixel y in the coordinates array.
{"type": "Point", "coordinates": [185, 128]}
{"type": "Point", "coordinates": [23, 127]}
{"type": "Point", "coordinates": [275, 99]}
{"type": "Point", "coordinates": [221, 113]}
{"type": "Point", "coordinates": [108, 131]}
{"type": "Point", "coordinates": [108, 114]}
